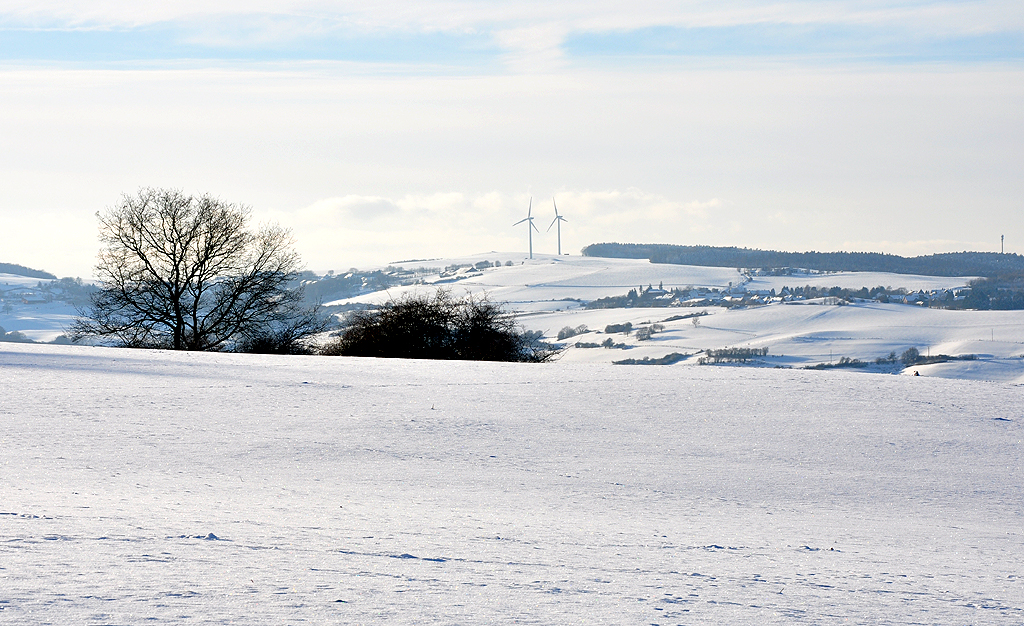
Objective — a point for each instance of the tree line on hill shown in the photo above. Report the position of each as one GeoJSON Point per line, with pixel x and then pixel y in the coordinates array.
{"type": "Point", "coordinates": [21, 270]}
{"type": "Point", "coordinates": [987, 264]}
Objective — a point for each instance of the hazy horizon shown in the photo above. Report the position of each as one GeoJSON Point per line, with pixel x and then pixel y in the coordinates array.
{"type": "Point", "coordinates": [516, 256]}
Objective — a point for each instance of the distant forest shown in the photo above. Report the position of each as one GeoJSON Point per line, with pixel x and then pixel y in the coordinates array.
{"type": "Point", "coordinates": [987, 264]}
{"type": "Point", "coordinates": [21, 270]}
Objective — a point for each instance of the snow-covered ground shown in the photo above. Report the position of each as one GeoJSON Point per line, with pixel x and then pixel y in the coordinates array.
{"type": "Point", "coordinates": [547, 282]}
{"type": "Point", "coordinates": [798, 335]}
{"type": "Point", "coordinates": [39, 321]}
{"type": "Point", "coordinates": [549, 293]}
{"type": "Point", "coordinates": [181, 488]}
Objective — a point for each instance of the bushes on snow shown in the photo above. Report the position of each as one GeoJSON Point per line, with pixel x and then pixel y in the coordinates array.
{"type": "Point", "coordinates": [569, 331]}
{"type": "Point", "coordinates": [439, 327]}
{"type": "Point", "coordinates": [619, 328]}
{"type": "Point", "coordinates": [732, 355]}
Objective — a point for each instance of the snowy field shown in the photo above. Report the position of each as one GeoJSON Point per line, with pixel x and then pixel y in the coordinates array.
{"type": "Point", "coordinates": [144, 487]}
{"type": "Point", "coordinates": [549, 293]}
{"type": "Point", "coordinates": [529, 284]}
{"type": "Point", "coordinates": [801, 334]}
{"type": "Point", "coordinates": [39, 322]}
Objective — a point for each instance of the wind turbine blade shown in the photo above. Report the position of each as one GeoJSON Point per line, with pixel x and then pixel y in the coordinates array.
{"type": "Point", "coordinates": [555, 204]}
{"type": "Point", "coordinates": [530, 211]}
{"type": "Point", "coordinates": [534, 226]}
{"type": "Point", "coordinates": [552, 223]}
{"type": "Point", "coordinates": [520, 221]}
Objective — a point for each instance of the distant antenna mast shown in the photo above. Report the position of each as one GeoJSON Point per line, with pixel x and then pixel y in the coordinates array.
{"type": "Point", "coordinates": [529, 220]}
{"type": "Point", "coordinates": [1002, 250]}
{"type": "Point", "coordinates": [558, 220]}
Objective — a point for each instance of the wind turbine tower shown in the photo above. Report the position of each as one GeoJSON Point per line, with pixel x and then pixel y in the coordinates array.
{"type": "Point", "coordinates": [532, 227]}
{"type": "Point", "coordinates": [558, 220]}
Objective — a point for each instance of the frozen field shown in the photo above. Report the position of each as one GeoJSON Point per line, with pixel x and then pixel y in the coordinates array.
{"type": "Point", "coordinates": [148, 487]}
{"type": "Point", "coordinates": [547, 281]}
{"type": "Point", "coordinates": [801, 334]}
{"type": "Point", "coordinates": [549, 293]}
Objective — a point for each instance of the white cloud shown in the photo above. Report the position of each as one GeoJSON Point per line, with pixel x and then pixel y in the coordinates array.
{"type": "Point", "coordinates": [611, 207]}
{"type": "Point", "coordinates": [533, 48]}
{"type": "Point", "coordinates": [505, 17]}
{"type": "Point", "coordinates": [344, 210]}
{"type": "Point", "coordinates": [373, 168]}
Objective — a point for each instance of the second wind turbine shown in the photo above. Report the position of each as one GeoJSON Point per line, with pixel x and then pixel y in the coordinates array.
{"type": "Point", "coordinates": [558, 220]}
{"type": "Point", "coordinates": [529, 219]}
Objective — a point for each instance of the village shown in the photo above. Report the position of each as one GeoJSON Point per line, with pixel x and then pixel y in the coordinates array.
{"type": "Point", "coordinates": [745, 293]}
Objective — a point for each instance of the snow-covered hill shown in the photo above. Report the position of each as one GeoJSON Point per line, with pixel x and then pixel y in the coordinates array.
{"type": "Point", "coordinates": [144, 487]}
{"type": "Point", "coordinates": [28, 310]}
{"type": "Point", "coordinates": [549, 292]}
{"type": "Point", "coordinates": [546, 282]}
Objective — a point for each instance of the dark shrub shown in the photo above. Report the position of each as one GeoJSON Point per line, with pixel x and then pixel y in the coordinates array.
{"type": "Point", "coordinates": [439, 327]}
{"type": "Point", "coordinates": [619, 328]}
{"type": "Point", "coordinates": [274, 343]}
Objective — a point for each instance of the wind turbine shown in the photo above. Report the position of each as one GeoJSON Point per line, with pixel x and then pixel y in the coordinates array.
{"type": "Point", "coordinates": [558, 220]}
{"type": "Point", "coordinates": [532, 227]}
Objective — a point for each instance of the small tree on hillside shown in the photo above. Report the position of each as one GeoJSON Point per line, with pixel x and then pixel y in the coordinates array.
{"type": "Point", "coordinates": [910, 356]}
{"type": "Point", "coordinates": [188, 273]}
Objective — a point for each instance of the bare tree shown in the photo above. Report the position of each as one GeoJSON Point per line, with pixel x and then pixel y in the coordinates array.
{"type": "Point", "coordinates": [187, 273]}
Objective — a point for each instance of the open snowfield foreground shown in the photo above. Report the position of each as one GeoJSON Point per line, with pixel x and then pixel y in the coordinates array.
{"type": "Point", "coordinates": [147, 487]}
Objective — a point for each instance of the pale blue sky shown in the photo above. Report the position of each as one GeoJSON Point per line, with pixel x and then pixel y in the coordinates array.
{"type": "Point", "coordinates": [475, 33]}
{"type": "Point", "coordinates": [421, 129]}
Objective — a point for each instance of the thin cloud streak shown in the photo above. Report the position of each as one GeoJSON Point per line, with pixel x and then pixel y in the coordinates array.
{"type": "Point", "coordinates": [519, 37]}
{"type": "Point", "coordinates": [464, 16]}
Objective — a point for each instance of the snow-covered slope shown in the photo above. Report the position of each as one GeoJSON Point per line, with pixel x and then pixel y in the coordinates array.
{"type": "Point", "coordinates": [15, 281]}
{"type": "Point", "coordinates": [549, 293]}
{"type": "Point", "coordinates": [546, 282]}
{"type": "Point", "coordinates": [37, 320]}
{"type": "Point", "coordinates": [146, 487]}
{"type": "Point", "coordinates": [798, 335]}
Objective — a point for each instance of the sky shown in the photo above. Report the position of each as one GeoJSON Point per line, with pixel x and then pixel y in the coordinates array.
{"type": "Point", "coordinates": [397, 130]}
